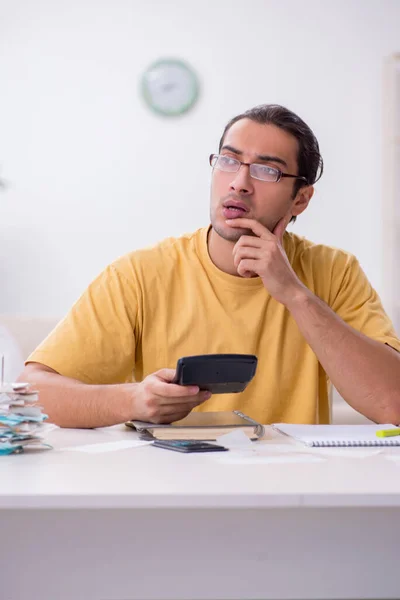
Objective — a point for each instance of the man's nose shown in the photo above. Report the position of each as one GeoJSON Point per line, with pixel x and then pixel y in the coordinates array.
{"type": "Point", "coordinates": [242, 183]}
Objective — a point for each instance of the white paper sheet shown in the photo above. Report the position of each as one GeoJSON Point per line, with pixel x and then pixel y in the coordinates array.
{"type": "Point", "coordinates": [108, 446]}
{"type": "Point", "coordinates": [235, 439]}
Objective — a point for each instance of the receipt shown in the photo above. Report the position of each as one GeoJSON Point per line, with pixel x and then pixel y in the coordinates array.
{"type": "Point", "coordinates": [107, 446]}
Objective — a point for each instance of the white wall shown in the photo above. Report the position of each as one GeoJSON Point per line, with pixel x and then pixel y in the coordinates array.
{"type": "Point", "coordinates": [76, 140]}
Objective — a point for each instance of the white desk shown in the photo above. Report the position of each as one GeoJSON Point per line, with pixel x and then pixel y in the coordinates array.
{"type": "Point", "coordinates": [146, 523]}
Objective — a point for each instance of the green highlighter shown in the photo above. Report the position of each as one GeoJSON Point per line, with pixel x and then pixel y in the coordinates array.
{"type": "Point", "coordinates": [388, 432]}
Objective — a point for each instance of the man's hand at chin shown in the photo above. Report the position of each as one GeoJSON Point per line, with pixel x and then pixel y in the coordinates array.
{"type": "Point", "coordinates": [262, 254]}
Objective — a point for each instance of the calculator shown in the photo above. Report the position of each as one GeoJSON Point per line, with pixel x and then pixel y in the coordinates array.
{"type": "Point", "coordinates": [217, 373]}
{"type": "Point", "coordinates": [189, 446]}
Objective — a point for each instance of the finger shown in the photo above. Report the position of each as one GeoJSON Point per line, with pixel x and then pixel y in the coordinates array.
{"type": "Point", "coordinates": [182, 408]}
{"type": "Point", "coordinates": [251, 224]}
{"type": "Point", "coordinates": [172, 390]}
{"type": "Point", "coordinates": [247, 267]}
{"type": "Point", "coordinates": [280, 228]}
{"type": "Point", "coordinates": [248, 240]}
{"type": "Point", "coordinates": [242, 253]}
{"type": "Point", "coordinates": [165, 374]}
{"type": "Point", "coordinates": [172, 417]}
{"type": "Point", "coordinates": [169, 409]}
{"type": "Point", "coordinates": [249, 252]}
{"type": "Point", "coordinates": [196, 399]}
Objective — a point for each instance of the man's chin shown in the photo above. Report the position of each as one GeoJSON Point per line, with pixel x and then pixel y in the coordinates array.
{"type": "Point", "coordinates": [230, 234]}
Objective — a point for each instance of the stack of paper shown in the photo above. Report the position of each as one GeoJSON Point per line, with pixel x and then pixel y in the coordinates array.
{"type": "Point", "coordinates": [21, 419]}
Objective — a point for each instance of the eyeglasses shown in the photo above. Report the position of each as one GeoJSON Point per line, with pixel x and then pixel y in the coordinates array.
{"type": "Point", "coordinates": [222, 162]}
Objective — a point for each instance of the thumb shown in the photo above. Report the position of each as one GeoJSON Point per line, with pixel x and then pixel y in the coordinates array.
{"type": "Point", "coordinates": [166, 374]}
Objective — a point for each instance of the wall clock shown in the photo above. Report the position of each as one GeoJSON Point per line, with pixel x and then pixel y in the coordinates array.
{"type": "Point", "coordinates": [170, 87]}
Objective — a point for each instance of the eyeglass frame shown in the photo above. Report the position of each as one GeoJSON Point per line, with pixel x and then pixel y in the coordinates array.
{"type": "Point", "coordinates": [240, 163]}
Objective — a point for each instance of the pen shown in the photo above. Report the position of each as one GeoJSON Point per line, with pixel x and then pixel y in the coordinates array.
{"type": "Point", "coordinates": [388, 432]}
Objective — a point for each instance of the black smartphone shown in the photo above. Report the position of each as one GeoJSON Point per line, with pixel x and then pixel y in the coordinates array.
{"type": "Point", "coordinates": [188, 446]}
{"type": "Point", "coordinates": [217, 373]}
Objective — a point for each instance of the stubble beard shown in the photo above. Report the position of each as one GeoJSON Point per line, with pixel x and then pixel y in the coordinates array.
{"type": "Point", "coordinates": [231, 235]}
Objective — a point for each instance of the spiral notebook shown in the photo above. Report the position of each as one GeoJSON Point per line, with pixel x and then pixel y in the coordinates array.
{"type": "Point", "coordinates": [338, 435]}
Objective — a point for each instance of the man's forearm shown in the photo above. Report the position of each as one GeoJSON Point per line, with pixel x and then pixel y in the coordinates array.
{"type": "Point", "coordinates": [71, 403]}
{"type": "Point", "coordinates": [365, 372]}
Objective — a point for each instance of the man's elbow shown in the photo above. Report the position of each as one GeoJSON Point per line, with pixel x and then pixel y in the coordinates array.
{"type": "Point", "coordinates": [391, 411]}
{"type": "Point", "coordinates": [34, 371]}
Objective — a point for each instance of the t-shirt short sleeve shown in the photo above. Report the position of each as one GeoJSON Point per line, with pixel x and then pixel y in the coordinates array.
{"type": "Point", "coordinates": [358, 304]}
{"type": "Point", "coordinates": [95, 342]}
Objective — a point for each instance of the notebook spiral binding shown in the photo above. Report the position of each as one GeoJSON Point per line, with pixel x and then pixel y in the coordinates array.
{"type": "Point", "coordinates": [339, 444]}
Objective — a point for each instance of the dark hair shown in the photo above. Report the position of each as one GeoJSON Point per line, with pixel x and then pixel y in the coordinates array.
{"type": "Point", "coordinates": [309, 160]}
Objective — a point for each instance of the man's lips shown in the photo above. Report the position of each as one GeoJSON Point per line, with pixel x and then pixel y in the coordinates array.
{"type": "Point", "coordinates": [232, 209]}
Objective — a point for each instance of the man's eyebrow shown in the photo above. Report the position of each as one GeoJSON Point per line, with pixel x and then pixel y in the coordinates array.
{"type": "Point", "coordinates": [231, 149]}
{"type": "Point", "coordinates": [268, 158]}
{"type": "Point", "coordinates": [263, 157]}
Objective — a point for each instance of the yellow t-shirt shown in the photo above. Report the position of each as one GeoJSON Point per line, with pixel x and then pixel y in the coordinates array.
{"type": "Point", "coordinates": [152, 306]}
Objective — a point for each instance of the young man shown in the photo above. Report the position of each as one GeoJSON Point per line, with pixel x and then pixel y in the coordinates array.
{"type": "Point", "coordinates": [242, 285]}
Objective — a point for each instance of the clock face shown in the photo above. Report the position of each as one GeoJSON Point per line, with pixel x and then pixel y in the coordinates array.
{"type": "Point", "coordinates": [170, 87]}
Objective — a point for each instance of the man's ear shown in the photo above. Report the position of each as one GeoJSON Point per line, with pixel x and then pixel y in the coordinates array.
{"type": "Point", "coordinates": [302, 200]}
